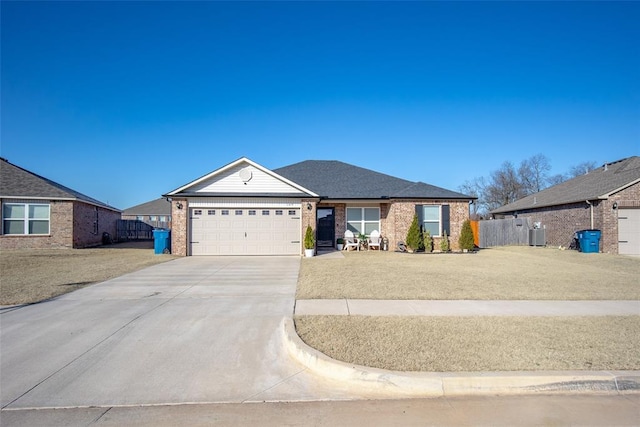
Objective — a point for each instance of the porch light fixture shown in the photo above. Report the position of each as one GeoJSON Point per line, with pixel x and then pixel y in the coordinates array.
{"type": "Point", "coordinates": [309, 207]}
{"type": "Point", "coordinates": [615, 205]}
{"type": "Point", "coordinates": [179, 205]}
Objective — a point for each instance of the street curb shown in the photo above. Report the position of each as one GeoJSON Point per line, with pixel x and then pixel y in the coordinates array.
{"type": "Point", "coordinates": [380, 382]}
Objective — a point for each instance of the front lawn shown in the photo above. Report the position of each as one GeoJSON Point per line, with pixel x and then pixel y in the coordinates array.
{"type": "Point", "coordinates": [508, 273]}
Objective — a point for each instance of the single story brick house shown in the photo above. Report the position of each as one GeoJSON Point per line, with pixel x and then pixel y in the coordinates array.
{"type": "Point", "coordinates": [606, 199]}
{"type": "Point", "coordinates": [39, 213]}
{"type": "Point", "coordinates": [156, 213]}
{"type": "Point", "coordinates": [244, 208]}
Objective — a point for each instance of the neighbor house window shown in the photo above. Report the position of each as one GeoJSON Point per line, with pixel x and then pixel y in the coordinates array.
{"type": "Point", "coordinates": [363, 220]}
{"type": "Point", "coordinates": [140, 218]}
{"type": "Point", "coordinates": [25, 218]}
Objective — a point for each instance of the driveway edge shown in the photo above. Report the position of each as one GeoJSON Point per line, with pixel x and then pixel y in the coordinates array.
{"type": "Point", "coordinates": [382, 382]}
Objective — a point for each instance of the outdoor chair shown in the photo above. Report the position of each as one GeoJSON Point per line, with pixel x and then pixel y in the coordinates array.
{"type": "Point", "coordinates": [350, 241]}
{"type": "Point", "coordinates": [374, 240]}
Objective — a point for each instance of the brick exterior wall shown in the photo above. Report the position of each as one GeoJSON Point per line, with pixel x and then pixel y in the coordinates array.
{"type": "Point", "coordinates": [180, 227]}
{"type": "Point", "coordinates": [71, 225]}
{"type": "Point", "coordinates": [401, 215]}
{"type": "Point", "coordinates": [308, 218]}
{"type": "Point", "coordinates": [627, 198]}
{"type": "Point", "coordinates": [89, 222]}
{"type": "Point", "coordinates": [562, 221]}
{"type": "Point", "coordinates": [396, 217]}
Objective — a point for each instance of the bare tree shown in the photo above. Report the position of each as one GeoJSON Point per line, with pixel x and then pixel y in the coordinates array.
{"type": "Point", "coordinates": [582, 168]}
{"type": "Point", "coordinates": [476, 188]}
{"type": "Point", "coordinates": [534, 173]}
{"type": "Point", "coordinates": [504, 187]}
{"type": "Point", "coordinates": [506, 184]}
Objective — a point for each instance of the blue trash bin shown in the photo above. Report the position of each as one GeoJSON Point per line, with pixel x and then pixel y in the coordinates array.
{"type": "Point", "coordinates": [589, 241]}
{"type": "Point", "coordinates": [161, 241]}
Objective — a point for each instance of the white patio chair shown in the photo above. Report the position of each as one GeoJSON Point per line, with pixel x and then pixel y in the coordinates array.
{"type": "Point", "coordinates": [350, 241]}
{"type": "Point", "coordinates": [374, 240]}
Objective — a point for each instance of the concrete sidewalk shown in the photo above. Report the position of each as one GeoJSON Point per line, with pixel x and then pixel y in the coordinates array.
{"type": "Point", "coordinates": [365, 307]}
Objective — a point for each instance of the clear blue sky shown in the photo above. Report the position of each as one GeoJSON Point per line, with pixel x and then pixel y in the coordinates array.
{"type": "Point", "coordinates": [125, 101]}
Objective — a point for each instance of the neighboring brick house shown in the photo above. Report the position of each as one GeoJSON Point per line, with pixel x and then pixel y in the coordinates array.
{"type": "Point", "coordinates": [606, 199]}
{"type": "Point", "coordinates": [156, 213]}
{"type": "Point", "coordinates": [40, 213]}
{"type": "Point", "coordinates": [246, 209]}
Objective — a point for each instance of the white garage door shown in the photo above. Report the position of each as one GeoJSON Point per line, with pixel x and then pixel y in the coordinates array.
{"type": "Point", "coordinates": [245, 231]}
{"type": "Point", "coordinates": [629, 231]}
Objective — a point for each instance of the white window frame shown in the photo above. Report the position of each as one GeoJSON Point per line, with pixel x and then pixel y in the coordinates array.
{"type": "Point", "coordinates": [439, 221]}
{"type": "Point", "coordinates": [26, 219]}
{"type": "Point", "coordinates": [363, 222]}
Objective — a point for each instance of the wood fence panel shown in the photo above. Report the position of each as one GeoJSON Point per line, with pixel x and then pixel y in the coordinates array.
{"type": "Point", "coordinates": [504, 232]}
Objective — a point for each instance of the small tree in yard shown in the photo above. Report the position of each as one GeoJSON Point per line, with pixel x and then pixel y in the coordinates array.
{"type": "Point", "coordinates": [466, 236]}
{"type": "Point", "coordinates": [444, 243]}
{"type": "Point", "coordinates": [428, 242]}
{"type": "Point", "coordinates": [309, 239]}
{"type": "Point", "coordinates": [414, 235]}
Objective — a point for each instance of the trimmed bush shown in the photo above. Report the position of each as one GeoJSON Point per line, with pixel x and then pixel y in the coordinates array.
{"type": "Point", "coordinates": [466, 236]}
{"type": "Point", "coordinates": [428, 242]}
{"type": "Point", "coordinates": [414, 235]}
{"type": "Point", "coordinates": [309, 238]}
{"type": "Point", "coordinates": [444, 243]}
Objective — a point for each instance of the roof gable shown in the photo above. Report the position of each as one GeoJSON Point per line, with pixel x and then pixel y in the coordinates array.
{"type": "Point", "coordinates": [242, 178]}
{"type": "Point", "coordinates": [19, 183]}
{"type": "Point", "coordinates": [159, 206]}
{"type": "Point", "coordinates": [597, 184]}
{"type": "Point", "coordinates": [333, 179]}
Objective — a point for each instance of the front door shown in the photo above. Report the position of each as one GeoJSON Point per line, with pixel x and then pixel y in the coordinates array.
{"type": "Point", "coordinates": [326, 227]}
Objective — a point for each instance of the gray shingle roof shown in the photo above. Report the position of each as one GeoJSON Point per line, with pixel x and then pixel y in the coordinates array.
{"type": "Point", "coordinates": [155, 207]}
{"type": "Point", "coordinates": [597, 184]}
{"type": "Point", "coordinates": [337, 180]}
{"type": "Point", "coordinates": [16, 182]}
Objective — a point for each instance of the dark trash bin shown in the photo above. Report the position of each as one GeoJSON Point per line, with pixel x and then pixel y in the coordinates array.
{"type": "Point", "coordinates": [589, 241]}
{"type": "Point", "coordinates": [161, 241]}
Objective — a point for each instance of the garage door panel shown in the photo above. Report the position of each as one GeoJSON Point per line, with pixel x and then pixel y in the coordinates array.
{"type": "Point", "coordinates": [629, 231]}
{"type": "Point", "coordinates": [246, 232]}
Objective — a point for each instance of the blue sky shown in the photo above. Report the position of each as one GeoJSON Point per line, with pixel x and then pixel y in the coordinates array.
{"type": "Point", "coordinates": [125, 101]}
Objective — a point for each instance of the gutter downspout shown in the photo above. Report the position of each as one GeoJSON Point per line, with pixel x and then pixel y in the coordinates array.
{"type": "Point", "coordinates": [591, 209]}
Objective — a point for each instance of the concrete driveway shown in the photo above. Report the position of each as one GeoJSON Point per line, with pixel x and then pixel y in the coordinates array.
{"type": "Point", "coordinates": [192, 330]}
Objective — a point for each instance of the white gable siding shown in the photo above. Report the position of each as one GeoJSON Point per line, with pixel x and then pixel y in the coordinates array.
{"type": "Point", "coordinates": [230, 182]}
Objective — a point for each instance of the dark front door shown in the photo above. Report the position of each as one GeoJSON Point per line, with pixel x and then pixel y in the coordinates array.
{"type": "Point", "coordinates": [326, 227]}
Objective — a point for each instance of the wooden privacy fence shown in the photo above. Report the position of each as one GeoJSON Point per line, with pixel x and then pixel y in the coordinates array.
{"type": "Point", "coordinates": [132, 229]}
{"type": "Point", "coordinates": [503, 232]}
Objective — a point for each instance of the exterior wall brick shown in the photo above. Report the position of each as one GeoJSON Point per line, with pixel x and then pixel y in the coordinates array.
{"type": "Point", "coordinates": [308, 219]}
{"type": "Point", "coordinates": [562, 221]}
{"type": "Point", "coordinates": [71, 226]}
{"type": "Point", "coordinates": [396, 217]}
{"type": "Point", "coordinates": [90, 222]}
{"type": "Point", "coordinates": [180, 227]}
{"type": "Point", "coordinates": [401, 215]}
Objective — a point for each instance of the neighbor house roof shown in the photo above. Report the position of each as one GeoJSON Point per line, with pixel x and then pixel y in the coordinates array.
{"type": "Point", "coordinates": [19, 183]}
{"type": "Point", "coordinates": [333, 179]}
{"type": "Point", "coordinates": [597, 184]}
{"type": "Point", "coordinates": [155, 207]}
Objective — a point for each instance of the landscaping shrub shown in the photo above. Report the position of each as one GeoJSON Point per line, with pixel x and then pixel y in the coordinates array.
{"type": "Point", "coordinates": [414, 235]}
{"type": "Point", "coordinates": [466, 236]}
{"type": "Point", "coordinates": [444, 243]}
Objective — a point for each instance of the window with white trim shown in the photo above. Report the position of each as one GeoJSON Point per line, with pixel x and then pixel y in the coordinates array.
{"type": "Point", "coordinates": [25, 218]}
{"type": "Point", "coordinates": [431, 219]}
{"type": "Point", "coordinates": [363, 220]}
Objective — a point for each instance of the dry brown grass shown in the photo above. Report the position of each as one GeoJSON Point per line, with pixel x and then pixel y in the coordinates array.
{"type": "Point", "coordinates": [446, 344]}
{"type": "Point", "coordinates": [34, 275]}
{"type": "Point", "coordinates": [508, 273]}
